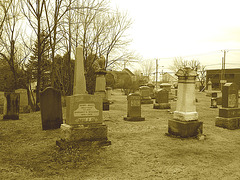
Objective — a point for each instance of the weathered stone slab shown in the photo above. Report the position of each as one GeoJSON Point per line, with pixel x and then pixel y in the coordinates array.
{"type": "Point", "coordinates": [11, 105]}
{"type": "Point", "coordinates": [51, 108]}
{"type": "Point", "coordinates": [134, 108]}
{"type": "Point", "coordinates": [229, 112]}
{"type": "Point", "coordinates": [228, 123]}
{"type": "Point", "coordinates": [230, 95]}
{"type": "Point", "coordinates": [162, 96]}
{"type": "Point", "coordinates": [185, 129]}
{"type": "Point", "coordinates": [83, 109]}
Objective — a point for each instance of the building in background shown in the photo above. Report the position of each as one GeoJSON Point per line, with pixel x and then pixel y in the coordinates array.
{"type": "Point", "coordinates": [218, 75]}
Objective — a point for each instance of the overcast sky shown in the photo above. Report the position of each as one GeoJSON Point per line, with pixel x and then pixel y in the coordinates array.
{"type": "Point", "coordinates": [170, 28]}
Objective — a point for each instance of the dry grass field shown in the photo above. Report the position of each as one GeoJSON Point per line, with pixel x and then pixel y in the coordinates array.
{"type": "Point", "coordinates": [139, 150]}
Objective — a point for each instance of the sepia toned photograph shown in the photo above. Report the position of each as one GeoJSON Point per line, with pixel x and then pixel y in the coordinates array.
{"type": "Point", "coordinates": [119, 90]}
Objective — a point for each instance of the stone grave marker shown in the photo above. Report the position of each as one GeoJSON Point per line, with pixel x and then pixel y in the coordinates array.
{"type": "Point", "coordinates": [230, 95]}
{"type": "Point", "coordinates": [11, 105]}
{"type": "Point", "coordinates": [24, 107]}
{"type": "Point", "coordinates": [145, 95]}
{"type": "Point", "coordinates": [185, 119]}
{"type": "Point", "coordinates": [51, 108]}
{"type": "Point", "coordinates": [161, 101]}
{"type": "Point", "coordinates": [84, 122]}
{"type": "Point", "coordinates": [229, 114]}
{"type": "Point", "coordinates": [134, 108]}
{"type": "Point", "coordinates": [109, 94]}
{"type": "Point", "coordinates": [100, 88]}
{"type": "Point", "coordinates": [1, 101]}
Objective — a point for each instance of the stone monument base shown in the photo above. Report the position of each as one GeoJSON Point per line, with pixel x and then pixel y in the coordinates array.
{"type": "Point", "coordinates": [229, 112]}
{"type": "Point", "coordinates": [162, 106]}
{"type": "Point", "coordinates": [134, 118]}
{"type": "Point", "coordinates": [106, 106]}
{"type": "Point", "coordinates": [24, 109]}
{"type": "Point", "coordinates": [185, 128]}
{"type": "Point", "coordinates": [147, 101]}
{"type": "Point", "coordinates": [75, 135]}
{"type": "Point", "coordinates": [12, 116]}
{"type": "Point", "coordinates": [185, 116]}
{"type": "Point", "coordinates": [228, 123]}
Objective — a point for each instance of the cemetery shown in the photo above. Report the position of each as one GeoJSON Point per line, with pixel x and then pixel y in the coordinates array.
{"type": "Point", "coordinates": [138, 150]}
{"type": "Point", "coordinates": [79, 101]}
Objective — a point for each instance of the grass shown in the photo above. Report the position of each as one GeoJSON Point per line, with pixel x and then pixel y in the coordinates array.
{"type": "Point", "coordinates": [139, 150]}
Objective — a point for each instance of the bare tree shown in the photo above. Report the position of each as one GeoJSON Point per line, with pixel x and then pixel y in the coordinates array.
{"type": "Point", "coordinates": [11, 30]}
{"type": "Point", "coordinates": [4, 7]}
{"type": "Point", "coordinates": [147, 67]}
{"type": "Point", "coordinates": [54, 12]}
{"type": "Point", "coordinates": [179, 63]}
{"type": "Point", "coordinates": [33, 11]}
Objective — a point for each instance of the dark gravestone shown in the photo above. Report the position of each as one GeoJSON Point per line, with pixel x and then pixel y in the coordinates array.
{"type": "Point", "coordinates": [11, 105]}
{"type": "Point", "coordinates": [162, 98]}
{"type": "Point", "coordinates": [51, 108]}
{"type": "Point", "coordinates": [230, 96]}
{"type": "Point", "coordinates": [229, 114]}
{"type": "Point", "coordinates": [214, 94]}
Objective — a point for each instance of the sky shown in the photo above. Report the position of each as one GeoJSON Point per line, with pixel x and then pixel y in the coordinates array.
{"type": "Point", "coordinates": [192, 29]}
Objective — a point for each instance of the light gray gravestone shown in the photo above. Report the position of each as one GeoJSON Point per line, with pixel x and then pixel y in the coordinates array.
{"type": "Point", "coordinates": [100, 88]}
{"type": "Point", "coordinates": [185, 119]}
{"type": "Point", "coordinates": [134, 108]}
{"type": "Point", "coordinates": [51, 108]}
{"type": "Point", "coordinates": [24, 107]}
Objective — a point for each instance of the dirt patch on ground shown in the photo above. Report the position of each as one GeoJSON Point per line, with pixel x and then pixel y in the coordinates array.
{"type": "Point", "coordinates": [139, 150]}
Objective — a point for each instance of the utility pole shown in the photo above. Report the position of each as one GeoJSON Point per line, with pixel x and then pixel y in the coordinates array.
{"type": "Point", "coordinates": [223, 79]}
{"type": "Point", "coordinates": [156, 72]}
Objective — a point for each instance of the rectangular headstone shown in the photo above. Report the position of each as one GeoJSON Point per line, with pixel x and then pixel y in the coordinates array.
{"type": "Point", "coordinates": [162, 96]}
{"type": "Point", "coordinates": [134, 105]}
{"type": "Point", "coordinates": [84, 109]}
{"type": "Point", "coordinates": [51, 108]}
{"type": "Point", "coordinates": [23, 97]}
{"type": "Point", "coordinates": [11, 105]}
{"type": "Point", "coordinates": [230, 95]}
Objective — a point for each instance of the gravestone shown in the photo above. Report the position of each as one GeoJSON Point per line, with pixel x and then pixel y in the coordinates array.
{"type": "Point", "coordinates": [209, 88]}
{"type": "Point", "coordinates": [229, 114]}
{"type": "Point", "coordinates": [134, 108]}
{"type": "Point", "coordinates": [24, 107]}
{"type": "Point", "coordinates": [11, 105]}
{"type": "Point", "coordinates": [51, 108]}
{"type": "Point", "coordinates": [161, 101]}
{"type": "Point", "coordinates": [145, 95]}
{"type": "Point", "coordinates": [84, 122]}
{"type": "Point", "coordinates": [1, 101]}
{"type": "Point", "coordinates": [109, 94]}
{"type": "Point", "coordinates": [185, 118]}
{"type": "Point", "coordinates": [100, 88]}
{"type": "Point", "coordinates": [167, 86]}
